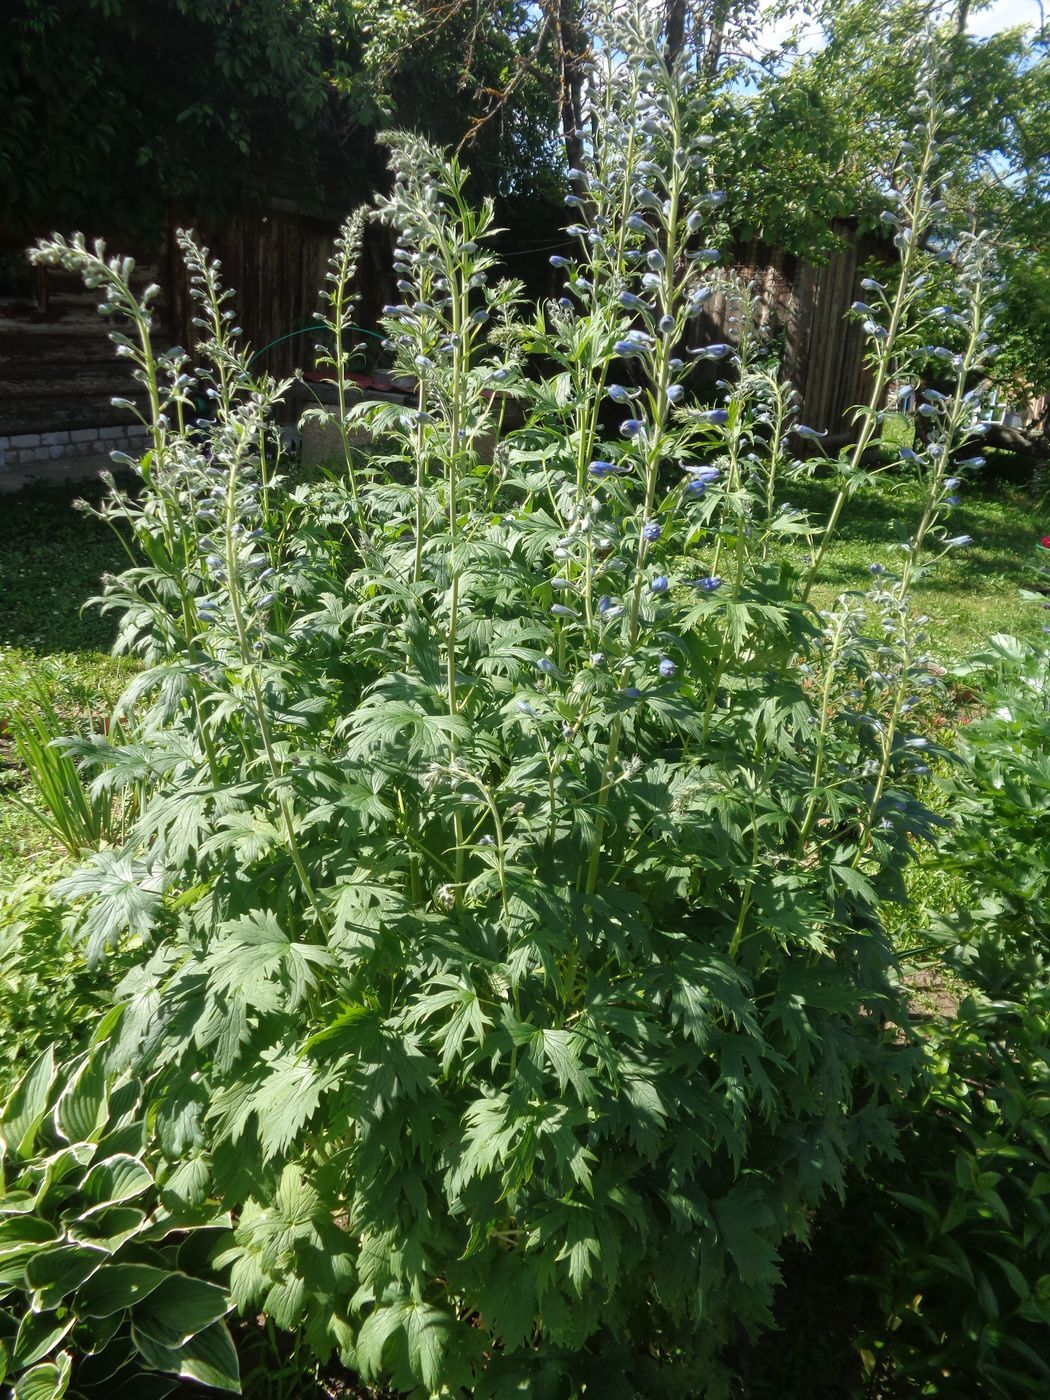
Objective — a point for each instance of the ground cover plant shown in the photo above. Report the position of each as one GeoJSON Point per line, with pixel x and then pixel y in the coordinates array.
{"type": "Point", "coordinates": [508, 831]}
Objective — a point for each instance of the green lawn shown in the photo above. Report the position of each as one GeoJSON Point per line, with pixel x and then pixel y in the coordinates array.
{"type": "Point", "coordinates": [974, 592]}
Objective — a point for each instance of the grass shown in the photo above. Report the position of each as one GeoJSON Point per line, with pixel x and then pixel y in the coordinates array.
{"type": "Point", "coordinates": [973, 592]}
{"type": "Point", "coordinates": [52, 558]}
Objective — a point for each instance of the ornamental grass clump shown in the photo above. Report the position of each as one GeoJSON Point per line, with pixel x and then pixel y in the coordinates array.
{"type": "Point", "coordinates": [510, 832]}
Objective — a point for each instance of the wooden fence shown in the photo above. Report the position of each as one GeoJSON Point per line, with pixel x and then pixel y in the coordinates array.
{"type": "Point", "coordinates": [57, 369]}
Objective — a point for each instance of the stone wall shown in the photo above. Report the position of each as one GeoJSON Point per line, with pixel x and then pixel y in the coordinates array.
{"type": "Point", "coordinates": [69, 446]}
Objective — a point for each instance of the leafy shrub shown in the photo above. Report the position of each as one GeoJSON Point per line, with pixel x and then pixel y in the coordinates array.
{"type": "Point", "coordinates": [47, 996]}
{"type": "Point", "coordinates": [963, 1221]}
{"type": "Point", "coordinates": [511, 831]}
{"type": "Point", "coordinates": [94, 1252]}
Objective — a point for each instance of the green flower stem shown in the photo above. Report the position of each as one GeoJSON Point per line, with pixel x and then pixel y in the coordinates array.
{"type": "Point", "coordinates": [248, 663]}
{"type": "Point", "coordinates": [885, 357]}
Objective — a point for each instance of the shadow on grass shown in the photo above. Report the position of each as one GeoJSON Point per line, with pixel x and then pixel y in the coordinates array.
{"type": "Point", "coordinates": [52, 558]}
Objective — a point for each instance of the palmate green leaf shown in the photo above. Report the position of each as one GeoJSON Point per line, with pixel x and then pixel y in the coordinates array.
{"type": "Point", "coordinates": [253, 952]}
{"type": "Point", "coordinates": [426, 1332]}
{"type": "Point", "coordinates": [122, 894]}
{"type": "Point", "coordinates": [379, 723]}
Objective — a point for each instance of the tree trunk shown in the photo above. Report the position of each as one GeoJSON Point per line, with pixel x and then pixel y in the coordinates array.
{"type": "Point", "coordinates": [572, 50]}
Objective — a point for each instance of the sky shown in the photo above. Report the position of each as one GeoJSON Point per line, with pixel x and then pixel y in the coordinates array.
{"type": "Point", "coordinates": [1000, 15]}
{"type": "Point", "coordinates": [1003, 14]}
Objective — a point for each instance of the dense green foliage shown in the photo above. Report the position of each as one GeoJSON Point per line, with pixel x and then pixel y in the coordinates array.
{"type": "Point", "coordinates": [99, 1246]}
{"type": "Point", "coordinates": [510, 833]}
{"type": "Point", "coordinates": [498, 836]}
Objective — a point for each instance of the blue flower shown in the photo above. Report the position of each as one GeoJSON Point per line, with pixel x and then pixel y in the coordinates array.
{"type": "Point", "coordinates": [804, 431]}
{"type": "Point", "coordinates": [560, 610]}
{"type": "Point", "coordinates": [637, 224]}
{"type": "Point", "coordinates": [604, 469]}
{"type": "Point", "coordinates": [652, 530]}
{"type": "Point", "coordinates": [714, 416]}
{"type": "Point", "coordinates": [656, 260]}
{"type": "Point", "coordinates": [665, 325]}
{"type": "Point", "coordinates": [708, 475]}
{"type": "Point", "coordinates": [631, 427]}
{"type": "Point", "coordinates": [675, 393]}
{"type": "Point", "coordinates": [556, 260]}
{"type": "Point", "coordinates": [696, 488]}
{"type": "Point", "coordinates": [631, 692]}
{"type": "Point", "coordinates": [527, 709]}
{"type": "Point", "coordinates": [971, 462]}
{"type": "Point", "coordinates": [876, 569]}
{"type": "Point", "coordinates": [951, 500]}
{"type": "Point", "coordinates": [659, 584]}
{"type": "Point", "coordinates": [715, 198]}
{"type": "Point", "coordinates": [619, 394]}
{"type": "Point", "coordinates": [710, 352]}
{"type": "Point", "coordinates": [628, 349]}
{"type": "Point", "coordinates": [561, 583]}
{"type": "Point", "coordinates": [706, 585]}
{"type": "Point", "coordinates": [870, 285]}
{"type": "Point", "coordinates": [547, 666]}
{"type": "Point", "coordinates": [959, 540]}
{"type": "Point", "coordinates": [667, 667]}
{"type": "Point", "coordinates": [699, 300]}
{"type": "Point", "coordinates": [630, 302]}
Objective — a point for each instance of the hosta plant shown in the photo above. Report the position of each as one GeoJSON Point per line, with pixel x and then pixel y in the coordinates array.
{"type": "Point", "coordinates": [99, 1259]}
{"type": "Point", "coordinates": [510, 831]}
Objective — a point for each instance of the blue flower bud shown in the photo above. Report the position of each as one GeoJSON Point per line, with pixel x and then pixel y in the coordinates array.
{"type": "Point", "coordinates": [667, 667]}
{"type": "Point", "coordinates": [665, 325]}
{"type": "Point", "coordinates": [561, 610]}
{"type": "Point", "coordinates": [652, 530]}
{"type": "Point", "coordinates": [556, 260]}
{"type": "Point", "coordinates": [659, 584]}
{"type": "Point", "coordinates": [631, 427]}
{"type": "Point", "coordinates": [600, 469]}
{"type": "Point", "coordinates": [547, 666]}
{"type": "Point", "coordinates": [630, 302]}
{"type": "Point", "coordinates": [675, 393]}
{"type": "Point", "coordinates": [656, 260]}
{"type": "Point", "coordinates": [804, 431]}
{"type": "Point", "coordinates": [710, 352]}
{"type": "Point", "coordinates": [716, 416]}
{"type": "Point", "coordinates": [619, 394]}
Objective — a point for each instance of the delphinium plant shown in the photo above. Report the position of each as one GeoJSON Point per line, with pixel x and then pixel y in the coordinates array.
{"type": "Point", "coordinates": [510, 831]}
